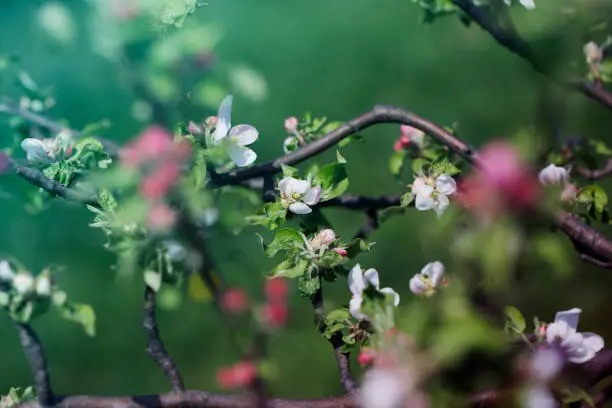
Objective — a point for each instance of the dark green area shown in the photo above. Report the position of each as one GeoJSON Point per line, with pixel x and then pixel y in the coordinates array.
{"type": "Point", "coordinates": [335, 58]}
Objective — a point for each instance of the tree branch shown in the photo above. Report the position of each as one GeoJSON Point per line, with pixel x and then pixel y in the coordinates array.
{"type": "Point", "coordinates": [360, 203]}
{"type": "Point", "coordinates": [38, 363]}
{"type": "Point", "coordinates": [510, 39]}
{"type": "Point", "coordinates": [36, 177]}
{"type": "Point", "coordinates": [349, 384]}
{"type": "Point", "coordinates": [379, 114]}
{"type": "Point", "coordinates": [155, 345]}
{"type": "Point", "coordinates": [596, 174]}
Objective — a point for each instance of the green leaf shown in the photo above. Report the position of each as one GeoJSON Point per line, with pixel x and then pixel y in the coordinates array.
{"type": "Point", "coordinates": [285, 239]}
{"type": "Point", "coordinates": [407, 199]}
{"type": "Point", "coordinates": [333, 180]}
{"type": "Point", "coordinates": [308, 285]}
{"type": "Point", "coordinates": [595, 199]}
{"type": "Point", "coordinates": [396, 162]}
{"type": "Point", "coordinates": [418, 166]}
{"type": "Point", "coordinates": [82, 314]}
{"type": "Point", "coordinates": [153, 279]}
{"type": "Point", "coordinates": [515, 319]}
{"type": "Point", "coordinates": [338, 315]}
{"type": "Point", "coordinates": [290, 268]}
{"type": "Point", "coordinates": [288, 171]}
{"type": "Point", "coordinates": [198, 168]}
{"type": "Point", "coordinates": [358, 246]}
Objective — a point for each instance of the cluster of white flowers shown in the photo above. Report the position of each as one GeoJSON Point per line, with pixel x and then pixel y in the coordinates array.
{"type": "Point", "coordinates": [528, 4]}
{"type": "Point", "coordinates": [298, 195]}
{"type": "Point", "coordinates": [553, 175]}
{"type": "Point", "coordinates": [358, 281]}
{"type": "Point", "coordinates": [45, 151]}
{"type": "Point", "coordinates": [433, 194]}
{"type": "Point", "coordinates": [236, 138]}
{"type": "Point", "coordinates": [24, 283]}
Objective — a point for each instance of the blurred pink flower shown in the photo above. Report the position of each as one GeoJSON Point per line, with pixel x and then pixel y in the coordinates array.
{"type": "Point", "coordinates": [5, 162]}
{"type": "Point", "coordinates": [239, 375]}
{"type": "Point", "coordinates": [291, 124]}
{"type": "Point", "coordinates": [157, 184]}
{"type": "Point", "coordinates": [151, 144]}
{"type": "Point", "coordinates": [161, 217]}
{"type": "Point", "coordinates": [234, 300]}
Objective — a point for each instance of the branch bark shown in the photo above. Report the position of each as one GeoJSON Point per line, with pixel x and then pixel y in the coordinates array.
{"type": "Point", "coordinates": [155, 345]}
{"type": "Point", "coordinates": [38, 363]}
{"type": "Point", "coordinates": [596, 174]}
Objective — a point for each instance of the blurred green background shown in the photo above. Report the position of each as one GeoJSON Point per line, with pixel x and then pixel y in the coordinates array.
{"type": "Point", "coordinates": [334, 58]}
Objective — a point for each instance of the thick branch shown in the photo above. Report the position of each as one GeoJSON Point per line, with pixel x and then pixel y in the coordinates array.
{"type": "Point", "coordinates": [509, 38]}
{"type": "Point", "coordinates": [586, 238]}
{"type": "Point", "coordinates": [155, 345]}
{"type": "Point", "coordinates": [192, 399]}
{"type": "Point", "coordinates": [36, 177]}
{"type": "Point", "coordinates": [343, 359]}
{"type": "Point", "coordinates": [361, 203]}
{"type": "Point", "coordinates": [38, 363]}
{"type": "Point", "coordinates": [379, 114]}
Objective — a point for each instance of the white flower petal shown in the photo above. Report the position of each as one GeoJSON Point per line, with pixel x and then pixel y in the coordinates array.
{"type": "Point", "coordinates": [442, 204]}
{"type": "Point", "coordinates": [6, 273]}
{"type": "Point", "coordinates": [36, 150]}
{"type": "Point", "coordinates": [355, 307]}
{"type": "Point", "coordinates": [244, 135]}
{"type": "Point", "coordinates": [593, 341]}
{"type": "Point", "coordinates": [299, 208]}
{"type": "Point", "coordinates": [355, 280]}
{"type": "Point", "coordinates": [371, 277]}
{"type": "Point", "coordinates": [417, 285]}
{"type": "Point", "coordinates": [539, 397]}
{"type": "Point", "coordinates": [384, 388]}
{"type": "Point", "coordinates": [435, 272]}
{"type": "Point", "coordinates": [546, 363]}
{"type": "Point", "coordinates": [570, 317]}
{"type": "Point", "coordinates": [558, 330]}
{"type": "Point", "coordinates": [283, 185]}
{"type": "Point", "coordinates": [418, 185]}
{"type": "Point", "coordinates": [424, 202]}
{"type": "Point", "coordinates": [396, 296]}
{"type": "Point", "coordinates": [300, 187]}
{"type": "Point", "coordinates": [312, 196]}
{"type": "Point", "coordinates": [552, 175]}
{"type": "Point", "coordinates": [242, 156]}
{"type": "Point", "coordinates": [528, 4]}
{"type": "Point", "coordinates": [224, 119]}
{"type": "Point", "coordinates": [446, 185]}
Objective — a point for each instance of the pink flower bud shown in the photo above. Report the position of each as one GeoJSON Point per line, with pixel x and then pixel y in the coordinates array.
{"type": "Point", "coordinates": [194, 129]}
{"type": "Point", "coordinates": [275, 314]}
{"type": "Point", "coordinates": [161, 217]}
{"type": "Point", "coordinates": [152, 143]}
{"type": "Point", "coordinates": [234, 300]}
{"type": "Point", "coordinates": [366, 356]}
{"type": "Point", "coordinates": [323, 239]}
{"type": "Point", "coordinates": [406, 130]}
{"type": "Point", "coordinates": [291, 124]}
{"type": "Point", "coordinates": [398, 146]}
{"type": "Point", "coordinates": [276, 289]}
{"type": "Point", "coordinates": [239, 375]}
{"type": "Point", "coordinates": [569, 193]}
{"type": "Point", "coordinates": [157, 184]}
{"type": "Point", "coordinates": [211, 122]}
{"type": "Point", "coordinates": [405, 140]}
{"type": "Point", "coordinates": [341, 251]}
{"type": "Point", "coordinates": [542, 329]}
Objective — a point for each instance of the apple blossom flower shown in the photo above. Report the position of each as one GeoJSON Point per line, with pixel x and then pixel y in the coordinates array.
{"type": "Point", "coordinates": [23, 283]}
{"type": "Point", "coordinates": [433, 195]}
{"type": "Point", "coordinates": [554, 175]}
{"type": "Point", "coordinates": [545, 365]}
{"type": "Point", "coordinates": [429, 280]}
{"type": "Point", "coordinates": [45, 151]}
{"type": "Point", "coordinates": [298, 195]}
{"type": "Point", "coordinates": [290, 144]}
{"type": "Point", "coordinates": [152, 143]}
{"type": "Point", "coordinates": [528, 4]}
{"type": "Point", "coordinates": [291, 124]}
{"type": "Point", "coordinates": [358, 281]}
{"type": "Point", "coordinates": [43, 285]}
{"type": "Point", "coordinates": [411, 135]}
{"type": "Point", "coordinates": [323, 239]}
{"type": "Point", "coordinates": [593, 53]}
{"type": "Point", "coordinates": [385, 387]}
{"type": "Point", "coordinates": [236, 137]}
{"type": "Point", "coordinates": [6, 272]}
{"type": "Point", "coordinates": [578, 347]}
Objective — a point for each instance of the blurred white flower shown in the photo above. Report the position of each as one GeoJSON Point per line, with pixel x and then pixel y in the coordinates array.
{"type": "Point", "coordinates": [23, 283]}
{"type": "Point", "coordinates": [593, 53]}
{"type": "Point", "coordinates": [298, 195]}
{"type": "Point", "coordinates": [39, 151]}
{"type": "Point", "coordinates": [384, 388]}
{"type": "Point", "coordinates": [433, 195]}
{"type": "Point", "coordinates": [546, 363]}
{"type": "Point", "coordinates": [554, 175]}
{"type": "Point", "coordinates": [6, 273]}
{"type": "Point", "coordinates": [291, 124]}
{"type": "Point", "coordinates": [528, 4]}
{"type": "Point", "coordinates": [427, 282]}
{"type": "Point", "coordinates": [43, 285]}
{"type": "Point", "coordinates": [578, 347]}
{"type": "Point", "coordinates": [358, 281]}
{"type": "Point", "coordinates": [236, 137]}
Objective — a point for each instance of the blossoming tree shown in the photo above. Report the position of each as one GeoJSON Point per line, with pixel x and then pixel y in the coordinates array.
{"type": "Point", "coordinates": [458, 344]}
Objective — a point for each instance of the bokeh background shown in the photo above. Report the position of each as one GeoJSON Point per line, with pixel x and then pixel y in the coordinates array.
{"type": "Point", "coordinates": [334, 58]}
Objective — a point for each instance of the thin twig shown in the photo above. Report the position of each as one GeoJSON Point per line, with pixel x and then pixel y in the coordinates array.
{"type": "Point", "coordinates": [155, 345]}
{"type": "Point", "coordinates": [510, 39]}
{"type": "Point", "coordinates": [348, 382]}
{"type": "Point", "coordinates": [38, 363]}
{"type": "Point", "coordinates": [597, 174]}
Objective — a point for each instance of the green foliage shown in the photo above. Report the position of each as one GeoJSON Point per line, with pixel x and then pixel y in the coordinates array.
{"type": "Point", "coordinates": [594, 199]}
{"type": "Point", "coordinates": [515, 322]}
{"type": "Point", "coordinates": [434, 9]}
{"type": "Point", "coordinates": [17, 396]}
{"type": "Point", "coordinates": [333, 180]}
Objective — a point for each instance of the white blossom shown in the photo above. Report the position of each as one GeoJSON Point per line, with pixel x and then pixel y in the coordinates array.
{"type": "Point", "coordinates": [427, 282]}
{"type": "Point", "coordinates": [546, 363]}
{"type": "Point", "coordinates": [236, 137]}
{"type": "Point", "coordinates": [43, 285]}
{"type": "Point", "coordinates": [290, 144]}
{"type": "Point", "coordinates": [6, 273]}
{"type": "Point", "coordinates": [384, 388]}
{"type": "Point", "coordinates": [175, 251]}
{"type": "Point", "coordinates": [578, 347]}
{"type": "Point", "coordinates": [593, 53]}
{"type": "Point", "coordinates": [358, 281]}
{"type": "Point", "coordinates": [415, 135]}
{"type": "Point", "coordinates": [298, 195]}
{"type": "Point", "coordinates": [433, 194]}
{"type": "Point", "coordinates": [554, 175]}
{"type": "Point", "coordinates": [528, 4]}
{"type": "Point", "coordinates": [44, 151]}
{"type": "Point", "coordinates": [23, 283]}
{"type": "Point", "coordinates": [539, 396]}
{"type": "Point", "coordinates": [291, 124]}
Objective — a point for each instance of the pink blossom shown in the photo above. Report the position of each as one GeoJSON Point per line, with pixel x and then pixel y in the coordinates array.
{"type": "Point", "coordinates": [398, 146]}
{"type": "Point", "coordinates": [405, 140]}
{"type": "Point", "coordinates": [341, 251]}
{"type": "Point", "coordinates": [239, 375]}
{"type": "Point", "coordinates": [275, 314]}
{"type": "Point", "coordinates": [276, 289]}
{"type": "Point", "coordinates": [366, 356]}
{"type": "Point", "coordinates": [291, 124]}
{"type": "Point", "coordinates": [161, 217]}
{"type": "Point", "coordinates": [234, 300]}
{"type": "Point", "coordinates": [157, 184]}
{"type": "Point", "coordinates": [151, 144]}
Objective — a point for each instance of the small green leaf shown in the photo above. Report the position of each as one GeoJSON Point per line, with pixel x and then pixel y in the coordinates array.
{"type": "Point", "coordinates": [396, 162]}
{"type": "Point", "coordinates": [338, 315]}
{"type": "Point", "coordinates": [418, 166]}
{"type": "Point", "coordinates": [153, 279]}
{"type": "Point", "coordinates": [407, 199]}
{"type": "Point", "coordinates": [333, 180]}
{"type": "Point", "coordinates": [288, 171]}
{"type": "Point", "coordinates": [285, 239]}
{"type": "Point", "coordinates": [515, 319]}
{"type": "Point", "coordinates": [290, 268]}
{"type": "Point", "coordinates": [82, 314]}
{"type": "Point", "coordinates": [308, 285]}
{"type": "Point", "coordinates": [198, 168]}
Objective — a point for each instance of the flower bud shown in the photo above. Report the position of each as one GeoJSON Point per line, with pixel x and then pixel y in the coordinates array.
{"type": "Point", "coordinates": [211, 122]}
{"type": "Point", "coordinates": [398, 146]}
{"type": "Point", "coordinates": [234, 300]}
{"type": "Point", "coordinates": [194, 129]}
{"type": "Point", "coordinates": [276, 289]}
{"type": "Point", "coordinates": [404, 140]}
{"type": "Point", "coordinates": [569, 193]}
{"type": "Point", "coordinates": [275, 314]}
{"type": "Point", "coordinates": [417, 285]}
{"type": "Point", "coordinates": [366, 356]}
{"type": "Point", "coordinates": [23, 283]}
{"type": "Point", "coordinates": [341, 251]}
{"type": "Point", "coordinates": [406, 130]}
{"type": "Point", "coordinates": [291, 124]}
{"type": "Point", "coordinates": [239, 375]}
{"type": "Point", "coordinates": [6, 273]}
{"type": "Point", "coordinates": [552, 175]}
{"type": "Point", "coordinates": [592, 53]}
{"type": "Point", "coordinates": [43, 285]}
{"type": "Point", "coordinates": [161, 217]}
{"type": "Point", "coordinates": [324, 238]}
